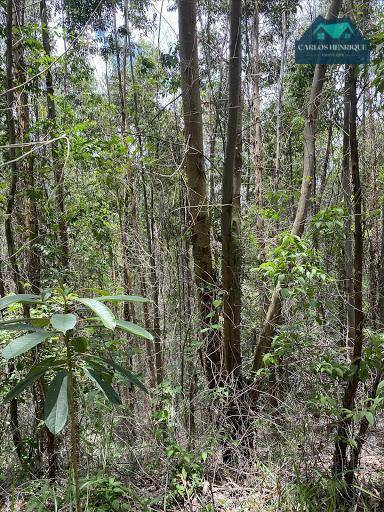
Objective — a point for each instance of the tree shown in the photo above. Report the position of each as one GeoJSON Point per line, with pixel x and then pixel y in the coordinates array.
{"type": "Point", "coordinates": [197, 186]}
{"type": "Point", "coordinates": [229, 222]}
{"type": "Point", "coordinates": [273, 315]}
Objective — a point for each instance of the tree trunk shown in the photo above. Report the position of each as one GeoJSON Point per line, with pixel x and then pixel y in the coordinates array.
{"type": "Point", "coordinates": [149, 221]}
{"type": "Point", "coordinates": [229, 228]}
{"type": "Point", "coordinates": [340, 456]}
{"type": "Point", "coordinates": [348, 241]}
{"type": "Point", "coordinates": [57, 163]}
{"type": "Point", "coordinates": [257, 144]}
{"type": "Point", "coordinates": [58, 174]}
{"type": "Point", "coordinates": [381, 273]}
{"type": "Point", "coordinates": [9, 234]}
{"type": "Point", "coordinates": [279, 104]}
{"type": "Point", "coordinates": [374, 223]}
{"type": "Point", "coordinates": [274, 311]}
{"type": "Point", "coordinates": [197, 186]}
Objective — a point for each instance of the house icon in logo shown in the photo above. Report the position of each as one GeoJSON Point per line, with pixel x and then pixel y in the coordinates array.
{"type": "Point", "coordinates": [335, 31]}
{"type": "Point", "coordinates": [332, 42]}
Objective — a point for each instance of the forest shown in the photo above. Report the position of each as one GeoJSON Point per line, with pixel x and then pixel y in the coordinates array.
{"type": "Point", "coordinates": [191, 257]}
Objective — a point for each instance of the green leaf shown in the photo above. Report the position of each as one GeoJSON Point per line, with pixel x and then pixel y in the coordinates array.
{"type": "Point", "coordinates": [27, 298]}
{"type": "Point", "coordinates": [285, 293]}
{"type": "Point", "coordinates": [80, 344]}
{"type": "Point", "coordinates": [131, 377]}
{"type": "Point", "coordinates": [35, 372]}
{"type": "Point", "coordinates": [134, 329]}
{"type": "Point", "coordinates": [24, 343]}
{"type": "Point", "coordinates": [15, 320]}
{"type": "Point", "coordinates": [56, 403]}
{"type": "Point", "coordinates": [108, 390]}
{"type": "Point", "coordinates": [40, 322]}
{"type": "Point", "coordinates": [102, 311]}
{"type": "Point", "coordinates": [122, 298]}
{"type": "Point", "coordinates": [380, 386]}
{"type": "Point", "coordinates": [19, 326]}
{"type": "Point", "coordinates": [63, 322]}
{"type": "Point", "coordinates": [369, 416]}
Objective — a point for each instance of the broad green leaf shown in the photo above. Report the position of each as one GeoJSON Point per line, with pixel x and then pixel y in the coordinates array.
{"type": "Point", "coordinates": [63, 322]}
{"type": "Point", "coordinates": [24, 343]}
{"type": "Point", "coordinates": [19, 326]}
{"type": "Point", "coordinates": [100, 368]}
{"type": "Point", "coordinates": [102, 311]}
{"type": "Point", "coordinates": [56, 403]}
{"type": "Point", "coordinates": [122, 298]}
{"type": "Point", "coordinates": [34, 373]}
{"type": "Point", "coordinates": [45, 294]}
{"type": "Point", "coordinates": [35, 322]}
{"type": "Point", "coordinates": [15, 320]}
{"type": "Point", "coordinates": [369, 416]}
{"type": "Point", "coordinates": [80, 344]}
{"type": "Point", "coordinates": [131, 377]}
{"type": "Point", "coordinates": [99, 291]}
{"type": "Point", "coordinates": [40, 322]}
{"type": "Point", "coordinates": [108, 390]}
{"type": "Point", "coordinates": [24, 384]}
{"type": "Point", "coordinates": [134, 329]}
{"type": "Point", "coordinates": [21, 298]}
{"type": "Point", "coordinates": [380, 386]}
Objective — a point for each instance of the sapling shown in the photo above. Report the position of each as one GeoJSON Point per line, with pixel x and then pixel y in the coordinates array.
{"type": "Point", "coordinates": [66, 330]}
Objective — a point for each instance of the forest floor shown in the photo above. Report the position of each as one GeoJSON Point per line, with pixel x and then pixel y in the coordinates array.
{"type": "Point", "coordinates": [252, 488]}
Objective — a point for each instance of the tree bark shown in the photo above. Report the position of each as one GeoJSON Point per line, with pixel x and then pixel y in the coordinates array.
{"type": "Point", "coordinates": [229, 229]}
{"type": "Point", "coordinates": [58, 175]}
{"type": "Point", "coordinates": [197, 186]}
{"type": "Point", "coordinates": [57, 163]}
{"type": "Point", "coordinates": [274, 310]}
{"type": "Point", "coordinates": [257, 145]}
{"type": "Point", "coordinates": [9, 234]}
{"type": "Point", "coordinates": [279, 104]}
{"type": "Point", "coordinates": [348, 241]}
{"type": "Point", "coordinates": [381, 273]}
{"type": "Point", "coordinates": [340, 462]}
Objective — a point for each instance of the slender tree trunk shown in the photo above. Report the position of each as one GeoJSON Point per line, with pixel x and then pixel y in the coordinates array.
{"type": "Point", "coordinates": [348, 241]}
{"type": "Point", "coordinates": [257, 144]}
{"type": "Point", "coordinates": [279, 104]}
{"type": "Point", "coordinates": [273, 315]}
{"type": "Point", "coordinates": [58, 174]}
{"type": "Point", "coordinates": [324, 175]}
{"type": "Point", "coordinates": [374, 224]}
{"type": "Point", "coordinates": [341, 445]}
{"type": "Point", "coordinates": [197, 185]}
{"type": "Point", "coordinates": [9, 233]}
{"type": "Point", "coordinates": [57, 163]}
{"type": "Point", "coordinates": [159, 363]}
{"type": "Point", "coordinates": [362, 432]}
{"type": "Point", "coordinates": [26, 164]}
{"type": "Point", "coordinates": [256, 114]}
{"type": "Point", "coordinates": [12, 154]}
{"type": "Point", "coordinates": [119, 74]}
{"type": "Point", "coordinates": [127, 210]}
{"type": "Point", "coordinates": [147, 325]}
{"type": "Point", "coordinates": [229, 228]}
{"type": "Point", "coordinates": [381, 272]}
{"type": "Point", "coordinates": [25, 170]}
{"type": "Point", "coordinates": [149, 220]}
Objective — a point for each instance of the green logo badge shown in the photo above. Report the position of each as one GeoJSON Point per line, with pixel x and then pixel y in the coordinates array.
{"type": "Point", "coordinates": [332, 42]}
